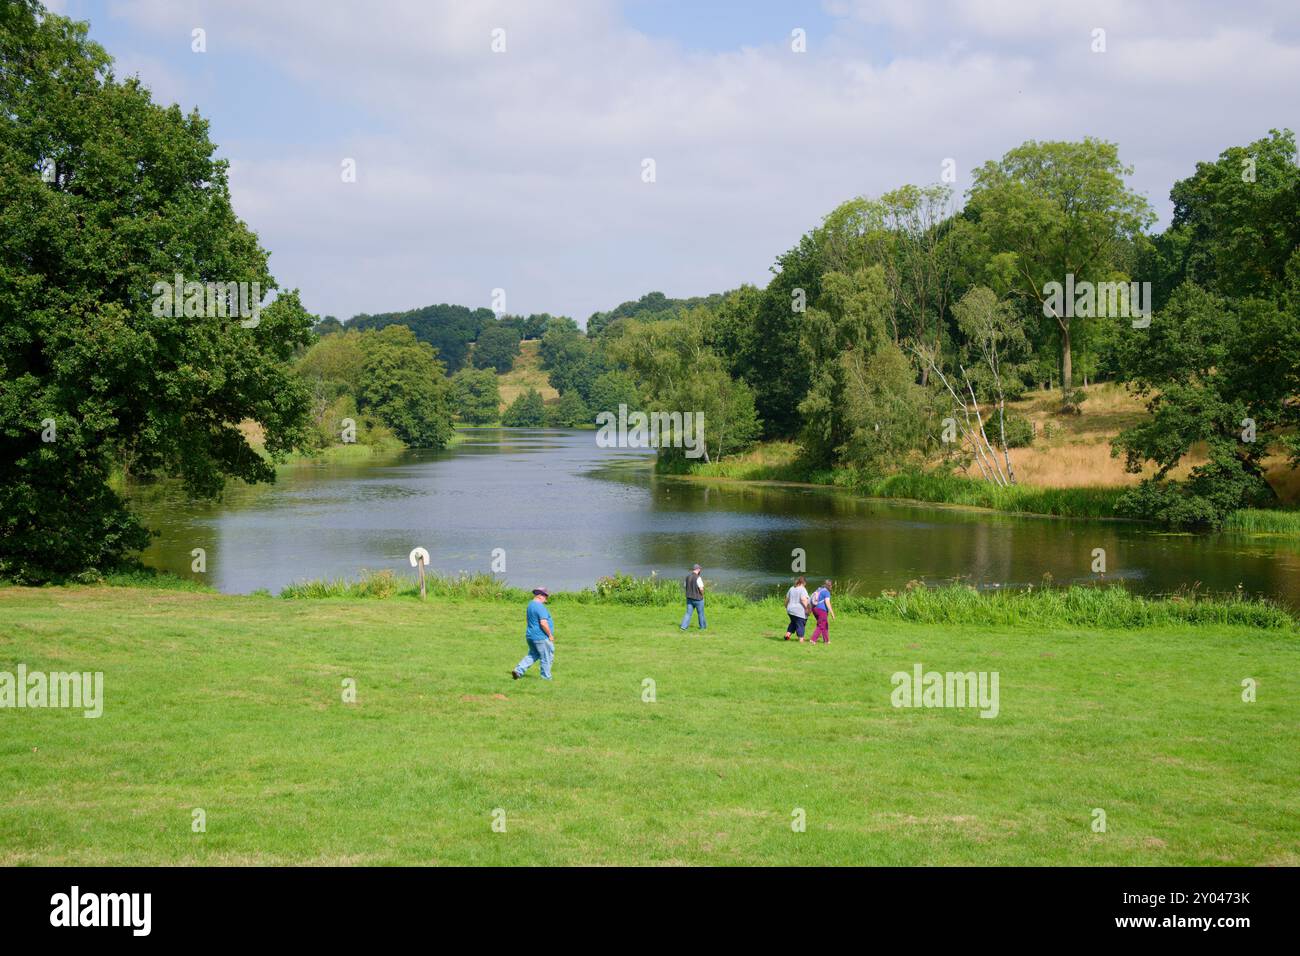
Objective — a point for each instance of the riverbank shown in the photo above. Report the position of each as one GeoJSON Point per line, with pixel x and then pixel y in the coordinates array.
{"type": "Point", "coordinates": [1104, 606]}
{"type": "Point", "coordinates": [650, 747]}
{"type": "Point", "coordinates": [1067, 471]}
{"type": "Point", "coordinates": [779, 462]}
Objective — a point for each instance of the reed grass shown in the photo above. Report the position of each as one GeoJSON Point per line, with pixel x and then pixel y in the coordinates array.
{"type": "Point", "coordinates": [1104, 606]}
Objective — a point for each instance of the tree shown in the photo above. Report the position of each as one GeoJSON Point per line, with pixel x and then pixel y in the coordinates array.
{"type": "Point", "coordinates": [477, 395]}
{"type": "Point", "coordinates": [731, 330]}
{"type": "Point", "coordinates": [448, 328]}
{"type": "Point", "coordinates": [103, 196]}
{"type": "Point", "coordinates": [651, 307]}
{"type": "Point", "coordinates": [888, 416]}
{"type": "Point", "coordinates": [403, 383]}
{"type": "Point", "coordinates": [904, 232]}
{"type": "Point", "coordinates": [1239, 219]}
{"type": "Point", "coordinates": [526, 411]}
{"type": "Point", "coordinates": [535, 325]}
{"type": "Point", "coordinates": [765, 364]}
{"type": "Point", "coordinates": [572, 362]}
{"type": "Point", "coordinates": [996, 337]}
{"type": "Point", "coordinates": [496, 348]}
{"type": "Point", "coordinates": [848, 326]}
{"type": "Point", "coordinates": [333, 369]}
{"type": "Point", "coordinates": [570, 412]}
{"type": "Point", "coordinates": [611, 390]}
{"type": "Point", "coordinates": [1049, 210]}
{"type": "Point", "coordinates": [334, 364]}
{"type": "Point", "coordinates": [677, 372]}
{"type": "Point", "coordinates": [327, 325]}
{"type": "Point", "coordinates": [1220, 372]}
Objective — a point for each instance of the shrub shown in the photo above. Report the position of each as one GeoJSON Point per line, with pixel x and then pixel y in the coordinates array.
{"type": "Point", "coordinates": [526, 411]}
{"type": "Point", "coordinates": [1020, 432]}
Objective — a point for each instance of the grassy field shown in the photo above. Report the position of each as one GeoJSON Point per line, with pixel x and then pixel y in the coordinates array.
{"type": "Point", "coordinates": [234, 705]}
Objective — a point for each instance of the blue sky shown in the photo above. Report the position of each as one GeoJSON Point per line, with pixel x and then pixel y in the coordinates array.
{"type": "Point", "coordinates": [522, 170]}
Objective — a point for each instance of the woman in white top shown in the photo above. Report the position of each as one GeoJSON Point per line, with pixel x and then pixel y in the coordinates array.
{"type": "Point", "coordinates": [796, 605]}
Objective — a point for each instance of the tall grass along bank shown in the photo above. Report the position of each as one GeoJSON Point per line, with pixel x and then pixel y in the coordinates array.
{"type": "Point", "coordinates": [1108, 606]}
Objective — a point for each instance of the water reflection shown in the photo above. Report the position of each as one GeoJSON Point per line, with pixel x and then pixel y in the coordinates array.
{"type": "Point", "coordinates": [566, 512]}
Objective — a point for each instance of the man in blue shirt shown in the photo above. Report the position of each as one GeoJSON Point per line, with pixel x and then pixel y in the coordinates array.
{"type": "Point", "coordinates": [539, 633]}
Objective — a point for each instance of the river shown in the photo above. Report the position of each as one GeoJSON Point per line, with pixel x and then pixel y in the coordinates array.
{"type": "Point", "coordinates": [564, 512]}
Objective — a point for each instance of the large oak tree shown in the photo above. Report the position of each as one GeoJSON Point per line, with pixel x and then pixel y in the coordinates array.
{"type": "Point", "coordinates": [103, 194]}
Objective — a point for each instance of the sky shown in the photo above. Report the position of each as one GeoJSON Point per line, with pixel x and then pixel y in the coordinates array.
{"type": "Point", "coordinates": [524, 169]}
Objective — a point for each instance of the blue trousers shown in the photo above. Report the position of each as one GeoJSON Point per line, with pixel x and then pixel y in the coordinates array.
{"type": "Point", "coordinates": [542, 652]}
{"type": "Point", "coordinates": [696, 605]}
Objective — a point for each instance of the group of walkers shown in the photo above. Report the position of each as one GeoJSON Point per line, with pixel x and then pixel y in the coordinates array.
{"type": "Point", "coordinates": [798, 604]}
{"type": "Point", "coordinates": [539, 626]}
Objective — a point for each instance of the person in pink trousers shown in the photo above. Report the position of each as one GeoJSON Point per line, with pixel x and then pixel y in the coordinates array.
{"type": "Point", "coordinates": [822, 610]}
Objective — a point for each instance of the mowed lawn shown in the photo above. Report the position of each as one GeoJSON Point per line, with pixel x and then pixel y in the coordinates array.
{"type": "Point", "coordinates": [234, 705]}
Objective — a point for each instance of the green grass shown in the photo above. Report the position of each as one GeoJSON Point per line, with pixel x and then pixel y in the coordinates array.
{"type": "Point", "coordinates": [233, 705]}
{"type": "Point", "coordinates": [1108, 606]}
{"type": "Point", "coordinates": [1260, 521]}
{"type": "Point", "coordinates": [769, 461]}
{"type": "Point", "coordinates": [1080, 502]}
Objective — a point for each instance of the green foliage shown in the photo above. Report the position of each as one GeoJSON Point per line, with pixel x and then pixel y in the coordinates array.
{"type": "Point", "coordinates": [1110, 607]}
{"type": "Point", "coordinates": [612, 389]}
{"type": "Point", "coordinates": [476, 395]}
{"type": "Point", "coordinates": [731, 329]}
{"type": "Point", "coordinates": [842, 334]}
{"type": "Point", "coordinates": [132, 196]}
{"type": "Point", "coordinates": [535, 326]}
{"type": "Point", "coordinates": [1020, 432]}
{"type": "Point", "coordinates": [887, 414]}
{"type": "Point", "coordinates": [333, 365]}
{"type": "Point", "coordinates": [1209, 366]}
{"type": "Point", "coordinates": [676, 371]}
{"type": "Point", "coordinates": [571, 360]}
{"type": "Point", "coordinates": [380, 584]}
{"type": "Point", "coordinates": [570, 412]}
{"type": "Point", "coordinates": [526, 411]}
{"type": "Point", "coordinates": [906, 232]}
{"type": "Point", "coordinates": [334, 370]}
{"type": "Point", "coordinates": [1050, 209]}
{"type": "Point", "coordinates": [497, 348]}
{"type": "Point", "coordinates": [1264, 521]}
{"type": "Point", "coordinates": [938, 486]}
{"type": "Point", "coordinates": [766, 365]}
{"type": "Point", "coordinates": [327, 325]}
{"type": "Point", "coordinates": [448, 328]}
{"type": "Point", "coordinates": [651, 307]}
{"type": "Point", "coordinates": [404, 385]}
{"type": "Point", "coordinates": [1238, 219]}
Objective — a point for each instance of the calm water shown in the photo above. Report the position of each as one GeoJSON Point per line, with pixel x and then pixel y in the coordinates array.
{"type": "Point", "coordinates": [566, 512]}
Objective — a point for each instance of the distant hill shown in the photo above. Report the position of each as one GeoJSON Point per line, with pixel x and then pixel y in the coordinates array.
{"type": "Point", "coordinates": [650, 307]}
{"type": "Point", "coordinates": [448, 328]}
{"type": "Point", "coordinates": [527, 373]}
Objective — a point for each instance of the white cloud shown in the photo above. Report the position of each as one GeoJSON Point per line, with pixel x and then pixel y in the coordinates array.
{"type": "Point", "coordinates": [522, 169]}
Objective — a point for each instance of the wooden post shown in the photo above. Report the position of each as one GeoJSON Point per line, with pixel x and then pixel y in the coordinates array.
{"type": "Point", "coordinates": [418, 559]}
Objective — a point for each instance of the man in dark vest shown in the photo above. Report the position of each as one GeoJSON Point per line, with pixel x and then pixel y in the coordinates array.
{"type": "Point", "coordinates": [694, 598]}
